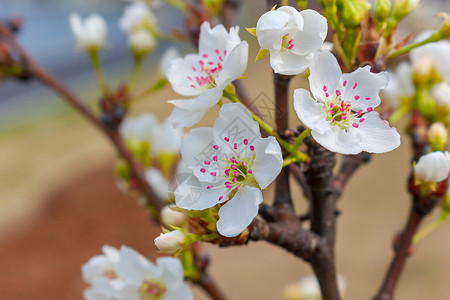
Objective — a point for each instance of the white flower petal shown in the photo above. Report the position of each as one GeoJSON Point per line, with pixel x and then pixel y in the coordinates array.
{"type": "Point", "coordinates": [172, 270]}
{"type": "Point", "coordinates": [217, 38]}
{"type": "Point", "coordinates": [92, 294]}
{"type": "Point", "coordinates": [271, 28]}
{"type": "Point", "coordinates": [169, 55]}
{"type": "Point", "coordinates": [182, 74]}
{"type": "Point", "coordinates": [441, 94]}
{"type": "Point", "coordinates": [362, 88]}
{"type": "Point", "coordinates": [268, 161]}
{"type": "Point", "coordinates": [377, 136]}
{"type": "Point", "coordinates": [158, 182]}
{"type": "Point", "coordinates": [310, 112]}
{"type": "Point", "coordinates": [192, 194]}
{"type": "Point", "coordinates": [325, 71]}
{"type": "Point", "coordinates": [133, 267]}
{"type": "Point", "coordinates": [184, 118]}
{"type": "Point", "coordinates": [180, 292]}
{"type": "Point", "coordinates": [339, 140]}
{"type": "Point", "coordinates": [289, 63]}
{"type": "Point", "coordinates": [167, 139]}
{"type": "Point", "coordinates": [436, 53]}
{"type": "Point", "coordinates": [239, 212]}
{"type": "Point", "coordinates": [140, 128]}
{"type": "Point", "coordinates": [236, 124]}
{"type": "Point", "coordinates": [433, 167]}
{"type": "Point", "coordinates": [234, 65]}
{"type": "Point", "coordinates": [314, 32]}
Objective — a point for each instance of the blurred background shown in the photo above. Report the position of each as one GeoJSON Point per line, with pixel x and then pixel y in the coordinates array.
{"type": "Point", "coordinates": [59, 203]}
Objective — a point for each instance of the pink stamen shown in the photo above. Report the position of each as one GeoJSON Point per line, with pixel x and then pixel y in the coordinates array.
{"type": "Point", "coordinates": [209, 187]}
{"type": "Point", "coordinates": [227, 172]}
{"type": "Point", "coordinates": [360, 112]}
{"type": "Point", "coordinates": [203, 170]}
{"type": "Point", "coordinates": [331, 105]}
{"type": "Point", "coordinates": [290, 41]}
{"type": "Point", "coordinates": [367, 98]}
{"type": "Point", "coordinates": [214, 174]}
{"type": "Point", "coordinates": [245, 142]}
{"type": "Point", "coordinates": [192, 86]}
{"type": "Point", "coordinates": [356, 97]}
{"type": "Point", "coordinates": [236, 173]}
{"type": "Point", "coordinates": [361, 120]}
{"type": "Point", "coordinates": [345, 83]}
{"type": "Point", "coordinates": [333, 120]}
{"type": "Point", "coordinates": [344, 118]}
{"type": "Point", "coordinates": [225, 52]}
{"type": "Point", "coordinates": [205, 55]}
{"type": "Point", "coordinates": [215, 158]}
{"type": "Point", "coordinates": [330, 111]}
{"type": "Point", "coordinates": [235, 146]}
{"type": "Point", "coordinates": [217, 51]}
{"type": "Point", "coordinates": [252, 148]}
{"type": "Point", "coordinates": [342, 109]}
{"type": "Point", "coordinates": [194, 69]}
{"type": "Point", "coordinates": [338, 92]}
{"type": "Point", "coordinates": [210, 62]}
{"type": "Point", "coordinates": [369, 109]}
{"type": "Point", "coordinates": [291, 46]}
{"type": "Point", "coordinates": [250, 171]}
{"type": "Point", "coordinates": [234, 167]}
{"type": "Point", "coordinates": [244, 164]}
{"type": "Point", "coordinates": [228, 186]}
{"type": "Point", "coordinates": [220, 58]}
{"type": "Point", "coordinates": [325, 88]}
{"type": "Point", "coordinates": [220, 198]}
{"type": "Point", "coordinates": [216, 147]}
{"type": "Point", "coordinates": [354, 86]}
{"type": "Point", "coordinates": [234, 180]}
{"type": "Point", "coordinates": [226, 139]}
{"type": "Point", "coordinates": [355, 125]}
{"type": "Point", "coordinates": [327, 95]}
{"type": "Point", "coordinates": [189, 78]}
{"type": "Point", "coordinates": [237, 188]}
{"type": "Point", "coordinates": [207, 162]}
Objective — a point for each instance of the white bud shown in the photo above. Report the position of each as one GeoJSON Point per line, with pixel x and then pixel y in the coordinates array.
{"type": "Point", "coordinates": [141, 42]}
{"type": "Point", "coordinates": [137, 16]}
{"type": "Point", "coordinates": [171, 217]}
{"type": "Point", "coordinates": [89, 34]}
{"type": "Point", "coordinates": [170, 242]}
{"type": "Point", "coordinates": [422, 67]}
{"type": "Point", "coordinates": [441, 94]}
{"type": "Point", "coordinates": [433, 167]}
{"type": "Point", "coordinates": [437, 136]}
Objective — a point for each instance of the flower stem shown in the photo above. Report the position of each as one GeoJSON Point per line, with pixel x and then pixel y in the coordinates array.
{"type": "Point", "coordinates": [135, 71]}
{"type": "Point", "coordinates": [431, 227]}
{"type": "Point", "coordinates": [262, 124]}
{"type": "Point", "coordinates": [433, 38]}
{"type": "Point", "coordinates": [300, 139]}
{"type": "Point", "coordinates": [99, 74]}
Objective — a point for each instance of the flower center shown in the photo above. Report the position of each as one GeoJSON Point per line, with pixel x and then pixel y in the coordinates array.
{"type": "Point", "coordinates": [207, 70]}
{"type": "Point", "coordinates": [237, 171]}
{"type": "Point", "coordinates": [287, 42]}
{"type": "Point", "coordinates": [339, 111]}
{"type": "Point", "coordinates": [152, 290]}
{"type": "Point", "coordinates": [110, 274]}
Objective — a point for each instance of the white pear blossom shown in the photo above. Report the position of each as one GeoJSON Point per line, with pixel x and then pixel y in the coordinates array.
{"type": "Point", "coordinates": [139, 128]}
{"type": "Point", "coordinates": [143, 280]}
{"type": "Point", "coordinates": [141, 42]}
{"type": "Point", "coordinates": [137, 16]}
{"type": "Point", "coordinates": [170, 242]}
{"type": "Point", "coordinates": [433, 167]}
{"type": "Point", "coordinates": [168, 56]}
{"type": "Point", "coordinates": [89, 34]}
{"type": "Point", "coordinates": [231, 163]}
{"type": "Point", "coordinates": [101, 273]}
{"type": "Point", "coordinates": [308, 288]}
{"type": "Point", "coordinates": [292, 38]}
{"type": "Point", "coordinates": [222, 58]}
{"type": "Point", "coordinates": [441, 93]}
{"type": "Point", "coordinates": [400, 84]}
{"type": "Point", "coordinates": [342, 116]}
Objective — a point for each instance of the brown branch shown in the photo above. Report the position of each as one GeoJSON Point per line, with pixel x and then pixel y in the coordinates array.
{"type": "Point", "coordinates": [323, 219]}
{"type": "Point", "coordinates": [210, 287]}
{"type": "Point", "coordinates": [282, 186]}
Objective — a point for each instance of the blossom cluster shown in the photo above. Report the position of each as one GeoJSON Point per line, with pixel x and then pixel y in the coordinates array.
{"type": "Point", "coordinates": [127, 275]}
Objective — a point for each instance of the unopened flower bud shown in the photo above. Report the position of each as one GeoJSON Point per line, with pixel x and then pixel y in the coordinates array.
{"type": "Point", "coordinates": [170, 217]}
{"type": "Point", "coordinates": [437, 136]}
{"type": "Point", "coordinates": [422, 69]}
{"type": "Point", "coordinates": [382, 9]}
{"type": "Point", "coordinates": [90, 34]}
{"type": "Point", "coordinates": [141, 42]}
{"type": "Point", "coordinates": [432, 167]}
{"type": "Point", "coordinates": [404, 7]}
{"type": "Point", "coordinates": [444, 31]}
{"type": "Point", "coordinates": [351, 15]}
{"type": "Point", "coordinates": [170, 242]}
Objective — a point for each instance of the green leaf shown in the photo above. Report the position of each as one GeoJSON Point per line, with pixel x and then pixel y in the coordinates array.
{"type": "Point", "coordinates": [261, 54]}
